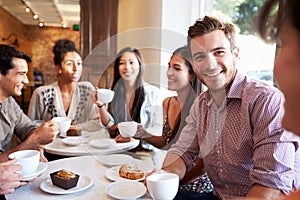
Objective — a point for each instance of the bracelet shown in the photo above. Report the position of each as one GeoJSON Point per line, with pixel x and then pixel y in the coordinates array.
{"type": "Point", "coordinates": [101, 106]}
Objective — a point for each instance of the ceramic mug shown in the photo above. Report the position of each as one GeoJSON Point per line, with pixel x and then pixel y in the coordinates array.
{"type": "Point", "coordinates": [29, 159]}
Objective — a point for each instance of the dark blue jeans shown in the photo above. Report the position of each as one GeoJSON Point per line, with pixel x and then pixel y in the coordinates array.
{"type": "Point", "coordinates": [195, 195]}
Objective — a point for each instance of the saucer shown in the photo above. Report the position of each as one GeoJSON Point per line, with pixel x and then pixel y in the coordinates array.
{"type": "Point", "coordinates": [74, 140]}
{"type": "Point", "coordinates": [40, 169]}
{"type": "Point", "coordinates": [126, 190]}
{"type": "Point", "coordinates": [102, 143]}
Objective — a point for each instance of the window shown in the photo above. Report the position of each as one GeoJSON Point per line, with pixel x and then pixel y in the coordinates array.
{"type": "Point", "coordinates": [256, 57]}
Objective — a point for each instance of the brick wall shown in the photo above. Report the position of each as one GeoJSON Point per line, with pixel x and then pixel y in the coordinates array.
{"type": "Point", "coordinates": [42, 41]}
{"type": "Point", "coordinates": [37, 42]}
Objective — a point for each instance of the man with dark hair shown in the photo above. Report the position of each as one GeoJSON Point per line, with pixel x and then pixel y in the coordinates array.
{"type": "Point", "coordinates": [235, 126]}
{"type": "Point", "coordinates": [13, 70]}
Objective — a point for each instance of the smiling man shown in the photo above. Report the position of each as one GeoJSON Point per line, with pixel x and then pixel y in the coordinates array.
{"type": "Point", "coordinates": [13, 77]}
{"type": "Point", "coordinates": [235, 126]}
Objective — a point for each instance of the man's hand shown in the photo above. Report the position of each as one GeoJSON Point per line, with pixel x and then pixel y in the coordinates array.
{"type": "Point", "coordinates": [44, 134]}
{"type": "Point", "coordinates": [10, 176]}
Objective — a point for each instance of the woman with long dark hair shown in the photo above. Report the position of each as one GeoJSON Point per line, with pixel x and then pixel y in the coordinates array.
{"type": "Point", "coordinates": [134, 100]}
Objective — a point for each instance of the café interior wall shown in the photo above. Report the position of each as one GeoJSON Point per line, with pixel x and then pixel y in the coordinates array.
{"type": "Point", "coordinates": [8, 25]}
{"type": "Point", "coordinates": [157, 28]}
{"type": "Point", "coordinates": [37, 42]}
{"type": "Point", "coordinates": [138, 22]}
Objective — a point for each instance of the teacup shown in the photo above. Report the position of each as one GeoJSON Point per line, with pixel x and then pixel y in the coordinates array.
{"type": "Point", "coordinates": [163, 186]}
{"type": "Point", "coordinates": [105, 95]}
{"type": "Point", "coordinates": [127, 129]}
{"type": "Point", "coordinates": [29, 159]}
{"type": "Point", "coordinates": [64, 124]}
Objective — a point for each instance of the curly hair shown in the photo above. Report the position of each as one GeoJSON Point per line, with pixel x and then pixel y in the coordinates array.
{"type": "Point", "coordinates": [62, 47]}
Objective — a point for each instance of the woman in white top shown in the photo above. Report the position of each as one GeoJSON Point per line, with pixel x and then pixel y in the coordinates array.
{"type": "Point", "coordinates": [66, 96]}
{"type": "Point", "coordinates": [134, 99]}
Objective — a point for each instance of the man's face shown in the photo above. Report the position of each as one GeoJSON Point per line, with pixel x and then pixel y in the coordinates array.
{"type": "Point", "coordinates": [213, 61]}
{"type": "Point", "coordinates": [12, 83]}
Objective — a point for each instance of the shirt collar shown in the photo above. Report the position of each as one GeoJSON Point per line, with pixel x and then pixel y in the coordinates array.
{"type": "Point", "coordinates": [237, 88]}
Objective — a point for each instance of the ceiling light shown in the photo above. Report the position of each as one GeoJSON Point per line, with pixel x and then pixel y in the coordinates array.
{"type": "Point", "coordinates": [41, 24]}
{"type": "Point", "coordinates": [27, 9]}
{"type": "Point", "coordinates": [64, 25]}
{"type": "Point", "coordinates": [35, 16]}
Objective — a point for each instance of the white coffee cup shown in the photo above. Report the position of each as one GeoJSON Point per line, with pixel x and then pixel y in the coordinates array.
{"type": "Point", "coordinates": [163, 186]}
{"type": "Point", "coordinates": [64, 124]}
{"type": "Point", "coordinates": [105, 95]}
{"type": "Point", "coordinates": [127, 129]}
{"type": "Point", "coordinates": [29, 159]}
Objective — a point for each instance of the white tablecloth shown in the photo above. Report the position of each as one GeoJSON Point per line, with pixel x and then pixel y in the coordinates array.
{"type": "Point", "coordinates": [59, 148]}
{"type": "Point", "coordinates": [85, 165]}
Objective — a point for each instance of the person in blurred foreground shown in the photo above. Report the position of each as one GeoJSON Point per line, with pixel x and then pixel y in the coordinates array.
{"type": "Point", "coordinates": [285, 29]}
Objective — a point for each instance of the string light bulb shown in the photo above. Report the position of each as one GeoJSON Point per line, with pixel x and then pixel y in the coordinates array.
{"type": "Point", "coordinates": [35, 16]}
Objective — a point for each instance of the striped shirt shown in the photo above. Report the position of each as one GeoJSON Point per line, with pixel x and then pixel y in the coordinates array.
{"type": "Point", "coordinates": [242, 142]}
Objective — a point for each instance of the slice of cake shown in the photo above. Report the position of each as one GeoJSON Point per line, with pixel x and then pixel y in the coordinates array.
{"type": "Point", "coordinates": [131, 171]}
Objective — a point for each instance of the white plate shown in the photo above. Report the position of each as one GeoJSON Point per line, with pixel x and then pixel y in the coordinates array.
{"type": "Point", "coordinates": [74, 140]}
{"type": "Point", "coordinates": [102, 143]}
{"type": "Point", "coordinates": [125, 190]}
{"type": "Point", "coordinates": [84, 182]}
{"type": "Point", "coordinates": [113, 172]}
{"type": "Point", "coordinates": [114, 159]}
{"type": "Point", "coordinates": [143, 165]}
{"type": "Point", "coordinates": [113, 175]}
{"type": "Point", "coordinates": [40, 169]}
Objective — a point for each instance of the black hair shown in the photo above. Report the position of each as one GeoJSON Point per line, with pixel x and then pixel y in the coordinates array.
{"type": "Point", "coordinates": [117, 106]}
{"type": "Point", "coordinates": [62, 47]}
{"type": "Point", "coordinates": [195, 89]}
{"type": "Point", "coordinates": [7, 53]}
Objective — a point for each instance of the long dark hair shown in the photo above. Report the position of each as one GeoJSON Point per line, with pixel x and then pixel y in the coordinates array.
{"type": "Point", "coordinates": [194, 91]}
{"type": "Point", "coordinates": [117, 106]}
